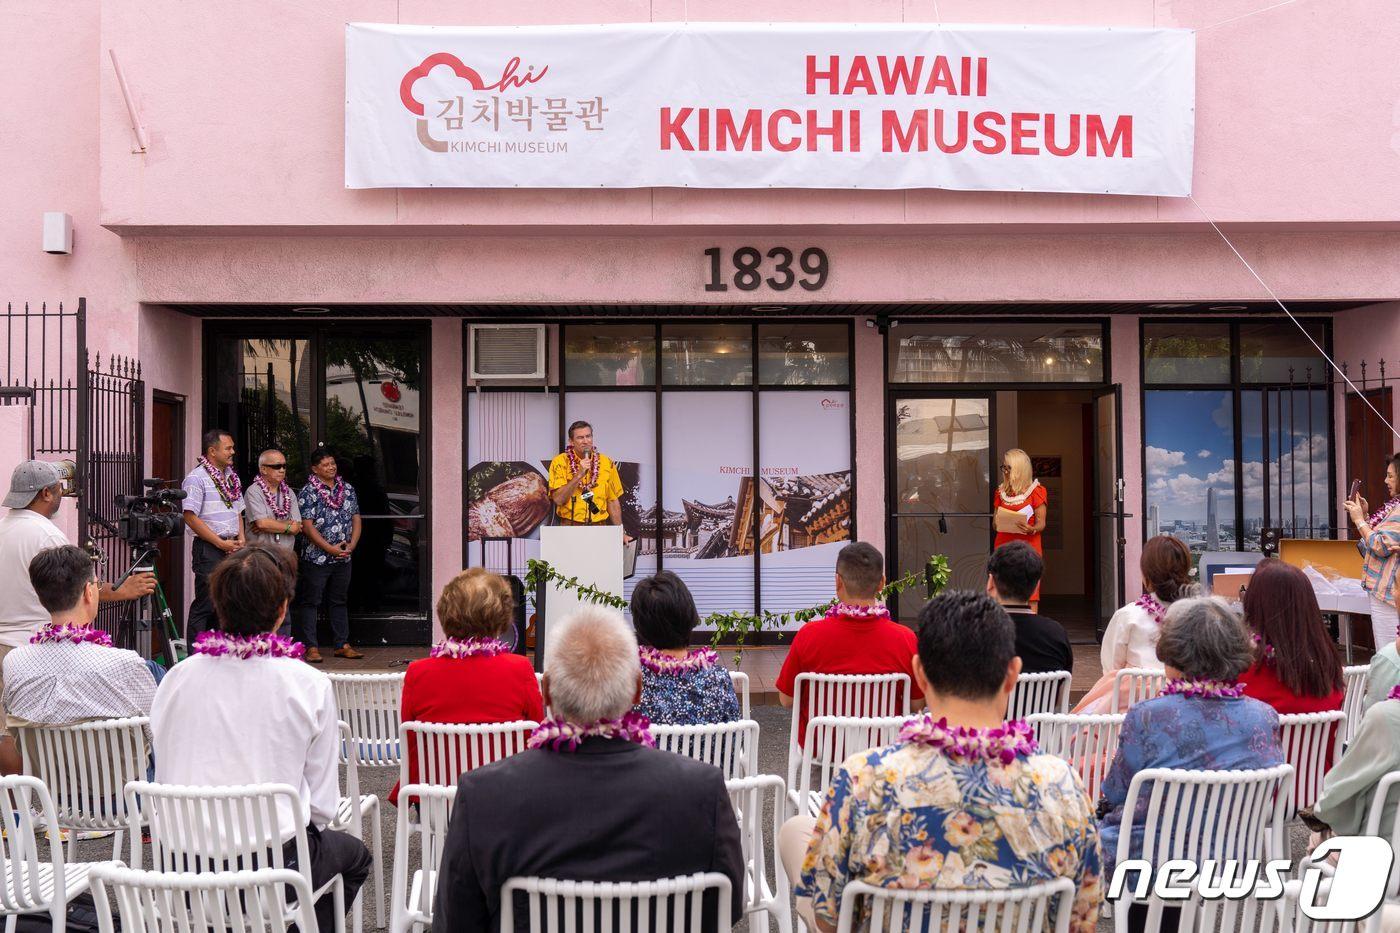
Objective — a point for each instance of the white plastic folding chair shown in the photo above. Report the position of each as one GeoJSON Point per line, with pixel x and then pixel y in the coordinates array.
{"type": "Point", "coordinates": [1201, 815]}
{"type": "Point", "coordinates": [1357, 678]}
{"type": "Point", "coordinates": [741, 690]}
{"type": "Point", "coordinates": [1292, 920]}
{"type": "Point", "coordinates": [1045, 906]}
{"type": "Point", "coordinates": [1087, 742]}
{"type": "Point", "coordinates": [86, 767]}
{"type": "Point", "coordinates": [1039, 693]}
{"type": "Point", "coordinates": [370, 704]}
{"type": "Point", "coordinates": [730, 746]}
{"type": "Point", "coordinates": [183, 902]}
{"type": "Point", "coordinates": [1133, 684]}
{"type": "Point", "coordinates": [446, 751]}
{"type": "Point", "coordinates": [411, 898]}
{"type": "Point", "coordinates": [1376, 825]}
{"type": "Point", "coordinates": [852, 695]}
{"type": "Point", "coordinates": [33, 885]}
{"type": "Point", "coordinates": [1310, 742]}
{"type": "Point", "coordinates": [752, 797]}
{"type": "Point", "coordinates": [829, 742]}
{"type": "Point", "coordinates": [221, 829]}
{"type": "Point", "coordinates": [350, 814]}
{"type": "Point", "coordinates": [638, 906]}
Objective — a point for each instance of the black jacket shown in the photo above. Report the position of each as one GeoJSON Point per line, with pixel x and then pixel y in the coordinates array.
{"type": "Point", "coordinates": [611, 811]}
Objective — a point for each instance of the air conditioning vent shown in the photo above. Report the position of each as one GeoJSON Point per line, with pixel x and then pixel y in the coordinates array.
{"type": "Point", "coordinates": [507, 351]}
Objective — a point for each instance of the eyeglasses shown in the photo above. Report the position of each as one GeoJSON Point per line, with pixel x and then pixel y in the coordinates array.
{"type": "Point", "coordinates": [275, 466]}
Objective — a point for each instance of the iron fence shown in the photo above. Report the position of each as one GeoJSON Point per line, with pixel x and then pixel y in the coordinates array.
{"type": "Point", "coordinates": [115, 434]}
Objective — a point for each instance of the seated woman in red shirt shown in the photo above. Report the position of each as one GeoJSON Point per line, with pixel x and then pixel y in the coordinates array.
{"type": "Point", "coordinates": [472, 676]}
{"type": "Point", "coordinates": [1297, 668]}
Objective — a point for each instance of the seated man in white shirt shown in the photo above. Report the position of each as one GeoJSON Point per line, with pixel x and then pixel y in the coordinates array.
{"type": "Point", "coordinates": [69, 672]}
{"type": "Point", "coordinates": [246, 711]}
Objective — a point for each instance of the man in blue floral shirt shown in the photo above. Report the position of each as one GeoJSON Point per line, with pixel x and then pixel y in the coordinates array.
{"type": "Point", "coordinates": [963, 800]}
{"type": "Point", "coordinates": [330, 516]}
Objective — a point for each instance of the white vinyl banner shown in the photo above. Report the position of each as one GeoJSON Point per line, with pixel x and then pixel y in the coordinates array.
{"type": "Point", "coordinates": [771, 105]}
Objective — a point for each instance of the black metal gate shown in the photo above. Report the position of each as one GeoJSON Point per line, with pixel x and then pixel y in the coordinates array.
{"type": "Point", "coordinates": [86, 409]}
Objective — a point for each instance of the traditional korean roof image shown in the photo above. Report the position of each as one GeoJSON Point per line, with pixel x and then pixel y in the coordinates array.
{"type": "Point", "coordinates": [670, 521]}
{"type": "Point", "coordinates": [699, 513]}
{"type": "Point", "coordinates": [796, 512]}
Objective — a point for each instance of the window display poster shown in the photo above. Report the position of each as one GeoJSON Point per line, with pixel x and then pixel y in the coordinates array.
{"type": "Point", "coordinates": [806, 495]}
{"type": "Point", "coordinates": [707, 460]}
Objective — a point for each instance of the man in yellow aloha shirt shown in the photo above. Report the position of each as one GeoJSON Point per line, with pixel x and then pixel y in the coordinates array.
{"type": "Point", "coordinates": [581, 470]}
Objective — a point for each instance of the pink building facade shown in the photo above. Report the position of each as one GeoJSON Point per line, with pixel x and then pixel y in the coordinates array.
{"type": "Point", "coordinates": [948, 327]}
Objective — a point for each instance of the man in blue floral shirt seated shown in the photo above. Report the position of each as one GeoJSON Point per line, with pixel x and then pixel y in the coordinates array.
{"type": "Point", "coordinates": [330, 520]}
{"type": "Point", "coordinates": [963, 800]}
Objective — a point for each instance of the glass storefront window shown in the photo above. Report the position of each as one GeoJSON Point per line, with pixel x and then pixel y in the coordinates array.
{"type": "Point", "coordinates": [610, 355]}
{"type": "Point", "coordinates": [706, 355]}
{"type": "Point", "coordinates": [1190, 457]}
{"type": "Point", "coordinates": [1188, 353]}
{"type": "Point", "coordinates": [801, 354]}
{"type": "Point", "coordinates": [996, 352]}
{"type": "Point", "coordinates": [1276, 351]}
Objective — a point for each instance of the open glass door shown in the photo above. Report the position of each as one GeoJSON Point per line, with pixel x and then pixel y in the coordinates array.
{"type": "Point", "coordinates": [940, 489]}
{"type": "Point", "coordinates": [1108, 513]}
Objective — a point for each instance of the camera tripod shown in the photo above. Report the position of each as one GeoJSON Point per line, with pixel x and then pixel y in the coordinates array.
{"type": "Point", "coordinates": [153, 610]}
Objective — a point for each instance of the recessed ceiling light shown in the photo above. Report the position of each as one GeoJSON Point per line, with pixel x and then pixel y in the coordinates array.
{"type": "Point", "coordinates": [763, 309]}
{"type": "Point", "coordinates": [1229, 307]}
{"type": "Point", "coordinates": [1163, 307]}
{"type": "Point", "coordinates": [311, 309]}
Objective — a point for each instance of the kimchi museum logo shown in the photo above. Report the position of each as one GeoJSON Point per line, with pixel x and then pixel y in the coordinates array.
{"type": "Point", "coordinates": [513, 113]}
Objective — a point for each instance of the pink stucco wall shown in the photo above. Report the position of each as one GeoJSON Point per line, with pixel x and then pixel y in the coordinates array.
{"type": "Point", "coordinates": [240, 198]}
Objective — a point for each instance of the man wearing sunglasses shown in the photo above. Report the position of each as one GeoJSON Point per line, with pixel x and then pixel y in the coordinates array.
{"type": "Point", "coordinates": [270, 505]}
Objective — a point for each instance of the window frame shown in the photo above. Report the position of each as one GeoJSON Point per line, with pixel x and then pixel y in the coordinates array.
{"type": "Point", "coordinates": [1237, 387]}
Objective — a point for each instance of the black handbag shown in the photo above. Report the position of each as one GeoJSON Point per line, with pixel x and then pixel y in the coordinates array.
{"type": "Point", "coordinates": [82, 918]}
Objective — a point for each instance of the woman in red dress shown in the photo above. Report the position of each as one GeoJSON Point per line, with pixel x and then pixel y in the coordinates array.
{"type": "Point", "coordinates": [1018, 490]}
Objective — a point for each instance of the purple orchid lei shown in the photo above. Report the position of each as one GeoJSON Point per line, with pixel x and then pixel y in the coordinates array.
{"type": "Point", "coordinates": [998, 745]}
{"type": "Point", "coordinates": [52, 634]}
{"type": "Point", "coordinates": [1148, 603]}
{"type": "Point", "coordinates": [333, 496]}
{"type": "Point", "coordinates": [849, 611]}
{"type": "Point", "coordinates": [1203, 689]}
{"type": "Point", "coordinates": [229, 486]}
{"type": "Point", "coordinates": [469, 648]}
{"type": "Point", "coordinates": [280, 502]}
{"type": "Point", "coordinates": [219, 645]}
{"type": "Point", "coordinates": [1394, 693]}
{"type": "Point", "coordinates": [659, 662]}
{"type": "Point", "coordinates": [1383, 511]}
{"type": "Point", "coordinates": [1266, 651]}
{"type": "Point", "coordinates": [558, 735]}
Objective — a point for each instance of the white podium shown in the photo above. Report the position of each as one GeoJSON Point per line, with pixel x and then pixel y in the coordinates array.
{"type": "Point", "coordinates": [593, 553]}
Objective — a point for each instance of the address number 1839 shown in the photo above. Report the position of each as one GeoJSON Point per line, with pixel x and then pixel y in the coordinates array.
{"type": "Point", "coordinates": [747, 268]}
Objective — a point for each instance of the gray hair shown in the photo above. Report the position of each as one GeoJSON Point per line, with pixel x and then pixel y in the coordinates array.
{"type": "Point", "coordinates": [262, 457]}
{"type": "Point", "coordinates": [1204, 639]}
{"type": "Point", "coordinates": [592, 665]}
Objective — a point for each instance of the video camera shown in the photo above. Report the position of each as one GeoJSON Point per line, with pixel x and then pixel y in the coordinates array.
{"type": "Point", "coordinates": [147, 518]}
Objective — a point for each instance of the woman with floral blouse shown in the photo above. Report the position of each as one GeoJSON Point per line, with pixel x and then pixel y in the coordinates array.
{"type": "Point", "coordinates": [681, 686]}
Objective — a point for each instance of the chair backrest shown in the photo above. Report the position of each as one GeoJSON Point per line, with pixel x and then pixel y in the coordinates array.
{"type": "Point", "coordinates": [1376, 825]}
{"type": "Point", "coordinates": [1310, 742]}
{"type": "Point", "coordinates": [86, 767]}
{"type": "Point", "coordinates": [1202, 815]}
{"type": "Point", "coordinates": [369, 703]}
{"type": "Point", "coordinates": [1357, 678]}
{"type": "Point", "coordinates": [1044, 906]}
{"type": "Point", "coordinates": [218, 829]}
{"type": "Point", "coordinates": [753, 798]}
{"type": "Point", "coordinates": [730, 746]}
{"type": "Point", "coordinates": [444, 752]}
{"type": "Point", "coordinates": [1133, 684]}
{"type": "Point", "coordinates": [623, 906]}
{"type": "Point", "coordinates": [1040, 693]}
{"type": "Point", "coordinates": [829, 742]}
{"type": "Point", "coordinates": [1087, 742]}
{"type": "Point", "coordinates": [412, 903]}
{"type": "Point", "coordinates": [741, 690]}
{"type": "Point", "coordinates": [182, 902]}
{"type": "Point", "coordinates": [25, 808]}
{"type": "Point", "coordinates": [856, 695]}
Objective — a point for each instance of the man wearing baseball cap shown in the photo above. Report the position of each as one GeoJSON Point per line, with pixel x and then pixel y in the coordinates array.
{"type": "Point", "coordinates": [36, 492]}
